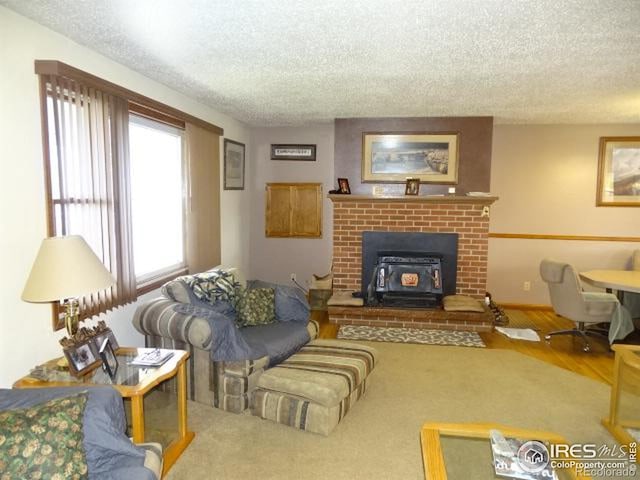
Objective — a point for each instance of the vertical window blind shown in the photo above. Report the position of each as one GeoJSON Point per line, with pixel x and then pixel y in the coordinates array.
{"type": "Point", "coordinates": [88, 180]}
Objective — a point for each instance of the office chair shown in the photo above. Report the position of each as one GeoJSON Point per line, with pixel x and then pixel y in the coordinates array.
{"type": "Point", "coordinates": [569, 301]}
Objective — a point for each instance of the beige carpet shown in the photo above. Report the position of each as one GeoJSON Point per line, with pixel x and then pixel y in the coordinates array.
{"type": "Point", "coordinates": [379, 438]}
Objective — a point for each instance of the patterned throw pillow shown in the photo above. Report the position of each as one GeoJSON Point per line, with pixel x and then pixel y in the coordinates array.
{"type": "Point", "coordinates": [44, 441]}
{"type": "Point", "coordinates": [212, 286]}
{"type": "Point", "coordinates": [255, 306]}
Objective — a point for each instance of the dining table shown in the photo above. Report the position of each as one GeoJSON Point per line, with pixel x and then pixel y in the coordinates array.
{"type": "Point", "coordinates": [618, 280]}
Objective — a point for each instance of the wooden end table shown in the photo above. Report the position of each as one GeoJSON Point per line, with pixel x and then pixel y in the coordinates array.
{"type": "Point", "coordinates": [442, 443]}
{"type": "Point", "coordinates": [132, 382]}
{"type": "Point", "coordinates": [626, 372]}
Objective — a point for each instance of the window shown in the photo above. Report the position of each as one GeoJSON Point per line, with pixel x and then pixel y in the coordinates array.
{"type": "Point", "coordinates": [157, 200]}
{"type": "Point", "coordinates": [115, 173]}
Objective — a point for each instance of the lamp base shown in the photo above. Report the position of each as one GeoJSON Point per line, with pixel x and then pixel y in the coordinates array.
{"type": "Point", "coordinates": [72, 308]}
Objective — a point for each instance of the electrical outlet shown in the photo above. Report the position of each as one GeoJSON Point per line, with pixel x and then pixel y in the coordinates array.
{"type": "Point", "coordinates": [526, 286]}
{"type": "Point", "coordinates": [292, 276]}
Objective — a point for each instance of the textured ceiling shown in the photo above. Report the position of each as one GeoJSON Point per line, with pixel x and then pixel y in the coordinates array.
{"type": "Point", "coordinates": [287, 62]}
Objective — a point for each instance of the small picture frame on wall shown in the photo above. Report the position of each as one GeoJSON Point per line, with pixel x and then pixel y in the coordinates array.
{"type": "Point", "coordinates": [343, 186]}
{"type": "Point", "coordinates": [234, 160]}
{"type": "Point", "coordinates": [619, 172]}
{"type": "Point", "coordinates": [412, 187]}
{"type": "Point", "coordinates": [82, 358]}
{"type": "Point", "coordinates": [293, 152]}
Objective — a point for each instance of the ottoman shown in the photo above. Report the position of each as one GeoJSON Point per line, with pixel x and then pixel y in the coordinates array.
{"type": "Point", "coordinates": [316, 387]}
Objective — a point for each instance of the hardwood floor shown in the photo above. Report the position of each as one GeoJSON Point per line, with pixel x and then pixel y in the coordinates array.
{"type": "Point", "coordinates": [564, 351]}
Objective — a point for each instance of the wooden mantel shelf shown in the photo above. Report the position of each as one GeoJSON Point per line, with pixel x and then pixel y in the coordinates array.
{"type": "Point", "coordinates": [413, 199]}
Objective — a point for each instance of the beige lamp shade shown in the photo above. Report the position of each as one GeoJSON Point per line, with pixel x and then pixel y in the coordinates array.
{"type": "Point", "coordinates": [65, 267]}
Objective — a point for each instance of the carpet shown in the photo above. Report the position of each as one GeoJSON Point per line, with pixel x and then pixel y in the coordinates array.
{"type": "Point", "coordinates": [411, 335]}
{"type": "Point", "coordinates": [519, 319]}
{"type": "Point", "coordinates": [379, 438]}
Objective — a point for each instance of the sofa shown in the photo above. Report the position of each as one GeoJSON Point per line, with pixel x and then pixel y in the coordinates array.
{"type": "Point", "coordinates": [40, 431]}
{"type": "Point", "coordinates": [199, 313]}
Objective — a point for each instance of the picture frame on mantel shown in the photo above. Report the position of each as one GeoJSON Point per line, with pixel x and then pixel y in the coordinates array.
{"type": "Point", "coordinates": [619, 172]}
{"type": "Point", "coordinates": [412, 187]}
{"type": "Point", "coordinates": [392, 157]}
{"type": "Point", "coordinates": [234, 159]}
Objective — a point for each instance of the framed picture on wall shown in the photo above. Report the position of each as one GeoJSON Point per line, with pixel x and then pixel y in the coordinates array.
{"type": "Point", "coordinates": [233, 165]}
{"type": "Point", "coordinates": [293, 152]}
{"type": "Point", "coordinates": [392, 157]}
{"type": "Point", "coordinates": [619, 172]}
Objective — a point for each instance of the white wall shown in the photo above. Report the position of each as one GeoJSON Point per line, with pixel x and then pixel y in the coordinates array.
{"type": "Point", "coordinates": [274, 259]}
{"type": "Point", "coordinates": [545, 176]}
{"type": "Point", "coordinates": [26, 337]}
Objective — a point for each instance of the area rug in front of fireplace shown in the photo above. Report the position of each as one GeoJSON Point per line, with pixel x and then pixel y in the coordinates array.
{"type": "Point", "coordinates": [411, 335]}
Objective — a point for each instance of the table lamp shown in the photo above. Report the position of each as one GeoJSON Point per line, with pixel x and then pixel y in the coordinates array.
{"type": "Point", "coordinates": [64, 269]}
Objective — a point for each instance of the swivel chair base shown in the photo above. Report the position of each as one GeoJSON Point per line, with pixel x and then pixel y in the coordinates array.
{"type": "Point", "coordinates": [581, 332]}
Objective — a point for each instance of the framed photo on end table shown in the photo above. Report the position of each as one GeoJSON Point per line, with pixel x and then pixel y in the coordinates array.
{"type": "Point", "coordinates": [619, 172]}
{"type": "Point", "coordinates": [233, 165]}
{"type": "Point", "coordinates": [99, 339]}
{"type": "Point", "coordinates": [108, 357]}
{"type": "Point", "coordinates": [82, 358]}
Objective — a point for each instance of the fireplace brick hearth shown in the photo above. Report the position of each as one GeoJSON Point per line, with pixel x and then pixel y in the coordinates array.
{"type": "Point", "coordinates": [433, 318]}
{"type": "Point", "coordinates": [354, 214]}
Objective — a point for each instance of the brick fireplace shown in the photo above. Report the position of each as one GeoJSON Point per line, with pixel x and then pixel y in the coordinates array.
{"type": "Point", "coordinates": [354, 214]}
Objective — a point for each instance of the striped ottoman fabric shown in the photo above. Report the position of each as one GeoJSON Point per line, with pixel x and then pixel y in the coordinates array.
{"type": "Point", "coordinates": [315, 388]}
{"type": "Point", "coordinates": [234, 382]}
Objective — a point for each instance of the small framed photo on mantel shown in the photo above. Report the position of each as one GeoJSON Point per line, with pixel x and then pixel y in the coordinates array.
{"type": "Point", "coordinates": [412, 187]}
{"type": "Point", "coordinates": [343, 186]}
{"type": "Point", "coordinates": [293, 152]}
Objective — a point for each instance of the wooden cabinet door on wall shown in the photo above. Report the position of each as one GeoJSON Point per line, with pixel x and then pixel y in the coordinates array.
{"type": "Point", "coordinates": [294, 210]}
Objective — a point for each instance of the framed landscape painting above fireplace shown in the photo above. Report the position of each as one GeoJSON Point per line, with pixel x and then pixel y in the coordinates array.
{"type": "Point", "coordinates": [392, 157]}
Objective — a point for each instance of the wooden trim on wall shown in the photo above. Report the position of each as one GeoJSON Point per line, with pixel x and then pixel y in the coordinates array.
{"type": "Point", "coordinates": [588, 238]}
{"type": "Point", "coordinates": [54, 67]}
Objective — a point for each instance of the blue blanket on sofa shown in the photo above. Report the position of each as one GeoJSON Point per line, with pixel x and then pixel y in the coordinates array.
{"type": "Point", "coordinates": [278, 340]}
{"type": "Point", "coordinates": [110, 454]}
